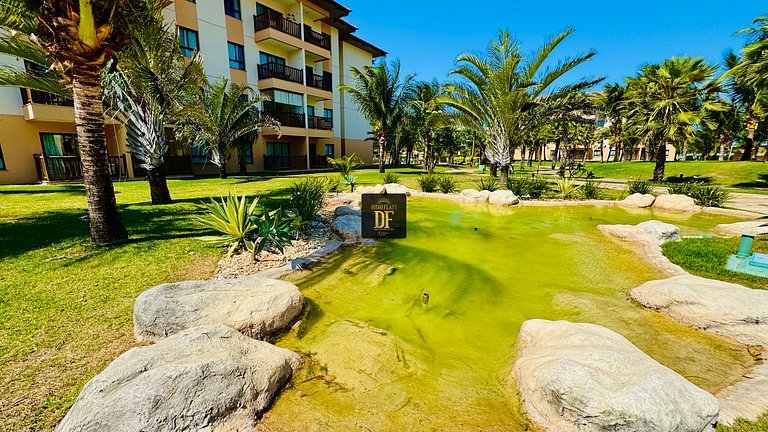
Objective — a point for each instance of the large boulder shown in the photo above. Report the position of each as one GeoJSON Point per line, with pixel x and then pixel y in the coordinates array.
{"type": "Point", "coordinates": [193, 380]}
{"type": "Point", "coordinates": [395, 188]}
{"type": "Point", "coordinates": [639, 200]}
{"type": "Point", "coordinates": [675, 203]}
{"type": "Point", "coordinates": [254, 306]}
{"type": "Point", "coordinates": [652, 233]}
{"type": "Point", "coordinates": [349, 228]}
{"type": "Point", "coordinates": [347, 211]}
{"type": "Point", "coordinates": [503, 198]}
{"type": "Point", "coordinates": [583, 377]}
{"type": "Point", "coordinates": [755, 228]}
{"type": "Point", "coordinates": [475, 195]}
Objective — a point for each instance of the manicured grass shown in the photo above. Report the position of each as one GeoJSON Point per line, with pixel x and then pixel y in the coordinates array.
{"type": "Point", "coordinates": [737, 174]}
{"type": "Point", "coordinates": [741, 425]}
{"type": "Point", "coordinates": [707, 257]}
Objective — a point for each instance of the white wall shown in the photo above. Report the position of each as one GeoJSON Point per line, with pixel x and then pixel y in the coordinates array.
{"type": "Point", "coordinates": [356, 127]}
{"type": "Point", "coordinates": [212, 28]}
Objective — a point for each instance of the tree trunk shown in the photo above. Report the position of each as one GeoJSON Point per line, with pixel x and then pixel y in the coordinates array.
{"type": "Point", "coordinates": [748, 144]}
{"type": "Point", "coordinates": [557, 152]}
{"type": "Point", "coordinates": [504, 174]}
{"type": "Point", "coordinates": [158, 186]}
{"type": "Point", "coordinates": [522, 157]}
{"type": "Point", "coordinates": [105, 225]}
{"type": "Point", "coordinates": [382, 141]}
{"type": "Point", "coordinates": [661, 160]}
{"type": "Point", "coordinates": [222, 171]}
{"type": "Point", "coordinates": [494, 169]}
{"type": "Point", "coordinates": [428, 165]}
{"type": "Point", "coordinates": [243, 168]}
{"type": "Point", "coordinates": [721, 153]}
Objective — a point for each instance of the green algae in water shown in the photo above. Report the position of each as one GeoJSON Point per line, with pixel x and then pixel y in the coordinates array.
{"type": "Point", "coordinates": [382, 359]}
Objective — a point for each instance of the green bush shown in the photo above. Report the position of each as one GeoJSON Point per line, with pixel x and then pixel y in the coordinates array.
{"type": "Point", "coordinates": [272, 229]}
{"type": "Point", "coordinates": [350, 181]}
{"type": "Point", "coordinates": [429, 182]}
{"type": "Point", "coordinates": [640, 186]}
{"type": "Point", "coordinates": [307, 196]}
{"type": "Point", "coordinates": [490, 184]}
{"type": "Point", "coordinates": [679, 188]}
{"type": "Point", "coordinates": [333, 183]}
{"type": "Point", "coordinates": [231, 217]}
{"type": "Point", "coordinates": [591, 190]}
{"type": "Point", "coordinates": [530, 188]}
{"type": "Point", "coordinates": [390, 178]}
{"type": "Point", "coordinates": [565, 188]}
{"type": "Point", "coordinates": [709, 195]}
{"type": "Point", "coordinates": [447, 184]}
{"type": "Point", "coordinates": [346, 164]}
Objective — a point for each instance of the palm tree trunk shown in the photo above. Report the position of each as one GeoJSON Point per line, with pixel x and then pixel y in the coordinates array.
{"type": "Point", "coordinates": [504, 174]}
{"type": "Point", "coordinates": [494, 169]}
{"type": "Point", "coordinates": [158, 186]}
{"type": "Point", "coordinates": [223, 171]}
{"type": "Point", "coordinates": [661, 160]}
{"type": "Point", "coordinates": [243, 167]}
{"type": "Point", "coordinates": [382, 141]}
{"type": "Point", "coordinates": [522, 157]}
{"type": "Point", "coordinates": [721, 153]}
{"type": "Point", "coordinates": [748, 145]}
{"type": "Point", "coordinates": [105, 225]}
{"type": "Point", "coordinates": [557, 153]}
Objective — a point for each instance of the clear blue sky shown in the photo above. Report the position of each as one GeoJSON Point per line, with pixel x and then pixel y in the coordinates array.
{"type": "Point", "coordinates": [427, 35]}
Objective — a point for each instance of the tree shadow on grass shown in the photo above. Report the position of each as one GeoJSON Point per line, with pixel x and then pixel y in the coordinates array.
{"type": "Point", "coordinates": [43, 189]}
{"type": "Point", "coordinates": [689, 179]}
{"type": "Point", "coordinates": [760, 182]}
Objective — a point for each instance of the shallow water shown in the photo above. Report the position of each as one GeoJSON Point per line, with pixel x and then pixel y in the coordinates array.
{"type": "Point", "coordinates": [381, 360]}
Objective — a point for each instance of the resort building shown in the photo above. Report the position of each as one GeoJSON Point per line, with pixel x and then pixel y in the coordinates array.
{"type": "Point", "coordinates": [296, 52]}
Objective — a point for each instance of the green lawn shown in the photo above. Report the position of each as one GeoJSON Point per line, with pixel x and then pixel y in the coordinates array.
{"type": "Point", "coordinates": [737, 174]}
{"type": "Point", "coordinates": [741, 425]}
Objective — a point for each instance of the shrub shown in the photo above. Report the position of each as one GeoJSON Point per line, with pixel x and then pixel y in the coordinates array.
{"type": "Point", "coordinates": [307, 197]}
{"type": "Point", "coordinates": [350, 181]}
{"type": "Point", "coordinates": [709, 195]}
{"type": "Point", "coordinates": [679, 188]}
{"type": "Point", "coordinates": [346, 164]}
{"type": "Point", "coordinates": [489, 184]}
{"type": "Point", "coordinates": [429, 182]}
{"type": "Point", "coordinates": [565, 188]}
{"type": "Point", "coordinates": [447, 184]}
{"type": "Point", "coordinates": [390, 178]}
{"type": "Point", "coordinates": [591, 190]}
{"type": "Point", "coordinates": [333, 183]}
{"type": "Point", "coordinates": [231, 217]}
{"type": "Point", "coordinates": [640, 186]}
{"type": "Point", "coordinates": [272, 229]}
{"type": "Point", "coordinates": [533, 188]}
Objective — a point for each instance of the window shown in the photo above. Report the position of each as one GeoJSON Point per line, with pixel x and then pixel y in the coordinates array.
{"type": "Point", "coordinates": [329, 150]}
{"type": "Point", "coordinates": [328, 113]}
{"type": "Point", "coordinates": [236, 56]}
{"type": "Point", "coordinates": [598, 153]}
{"type": "Point", "coordinates": [199, 155]}
{"type": "Point", "coordinates": [189, 41]}
{"type": "Point", "coordinates": [552, 154]}
{"type": "Point", "coordinates": [232, 8]}
{"type": "Point", "coordinates": [612, 154]}
{"type": "Point", "coordinates": [311, 111]}
{"type": "Point", "coordinates": [2, 160]}
{"type": "Point", "coordinates": [59, 144]}
{"type": "Point", "coordinates": [278, 149]}
{"type": "Point", "coordinates": [265, 58]}
{"type": "Point", "coordinates": [248, 155]}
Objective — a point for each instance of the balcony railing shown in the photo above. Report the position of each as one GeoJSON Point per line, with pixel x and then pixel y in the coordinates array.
{"type": "Point", "coordinates": [174, 165]}
{"type": "Point", "coordinates": [68, 168]}
{"type": "Point", "coordinates": [35, 96]}
{"type": "Point", "coordinates": [323, 123]}
{"type": "Point", "coordinates": [318, 162]}
{"type": "Point", "coordinates": [280, 71]}
{"type": "Point", "coordinates": [287, 118]}
{"type": "Point", "coordinates": [277, 21]}
{"type": "Point", "coordinates": [283, 163]}
{"type": "Point", "coordinates": [316, 38]}
{"type": "Point", "coordinates": [323, 82]}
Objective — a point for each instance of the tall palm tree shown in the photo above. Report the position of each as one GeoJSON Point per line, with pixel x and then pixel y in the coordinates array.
{"type": "Point", "coordinates": [220, 118]}
{"type": "Point", "coordinates": [755, 65]}
{"type": "Point", "coordinates": [76, 40]}
{"type": "Point", "coordinates": [749, 94]}
{"type": "Point", "coordinates": [147, 88]}
{"type": "Point", "coordinates": [428, 116]}
{"type": "Point", "coordinates": [500, 88]}
{"type": "Point", "coordinates": [380, 94]}
{"type": "Point", "coordinates": [612, 101]}
{"type": "Point", "coordinates": [670, 99]}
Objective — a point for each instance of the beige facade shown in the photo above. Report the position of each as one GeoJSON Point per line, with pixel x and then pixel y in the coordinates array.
{"type": "Point", "coordinates": [295, 51]}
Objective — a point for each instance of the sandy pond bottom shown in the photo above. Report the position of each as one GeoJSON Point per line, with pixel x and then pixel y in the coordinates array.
{"type": "Point", "coordinates": [379, 360]}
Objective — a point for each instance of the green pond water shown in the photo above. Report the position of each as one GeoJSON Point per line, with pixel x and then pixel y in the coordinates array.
{"type": "Point", "coordinates": [378, 359]}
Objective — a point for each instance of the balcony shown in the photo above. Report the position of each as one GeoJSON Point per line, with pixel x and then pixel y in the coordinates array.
{"type": "Point", "coordinates": [284, 163]}
{"type": "Point", "coordinates": [275, 20]}
{"type": "Point", "coordinates": [288, 119]}
{"type": "Point", "coordinates": [321, 123]}
{"type": "Point", "coordinates": [316, 38]}
{"type": "Point", "coordinates": [319, 162]}
{"type": "Point", "coordinates": [29, 96]}
{"type": "Point", "coordinates": [280, 71]}
{"type": "Point", "coordinates": [322, 82]}
{"type": "Point", "coordinates": [69, 168]}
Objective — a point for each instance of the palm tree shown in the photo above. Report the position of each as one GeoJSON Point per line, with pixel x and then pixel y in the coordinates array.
{"type": "Point", "coordinates": [500, 89]}
{"type": "Point", "coordinates": [749, 94]}
{"type": "Point", "coordinates": [428, 116]}
{"type": "Point", "coordinates": [755, 64]}
{"type": "Point", "coordinates": [75, 40]}
{"type": "Point", "coordinates": [670, 99]}
{"type": "Point", "coordinates": [612, 102]}
{"type": "Point", "coordinates": [221, 117]}
{"type": "Point", "coordinates": [147, 88]}
{"type": "Point", "coordinates": [380, 94]}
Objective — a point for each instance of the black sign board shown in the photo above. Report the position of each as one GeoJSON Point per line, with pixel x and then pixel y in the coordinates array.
{"type": "Point", "coordinates": [384, 216]}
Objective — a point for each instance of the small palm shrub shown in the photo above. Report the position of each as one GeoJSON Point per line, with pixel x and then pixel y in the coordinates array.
{"type": "Point", "coordinates": [346, 164]}
{"type": "Point", "coordinates": [591, 190]}
{"type": "Point", "coordinates": [429, 182]}
{"type": "Point", "coordinates": [390, 178]}
{"type": "Point", "coordinates": [272, 229]}
{"type": "Point", "coordinates": [709, 195]}
{"type": "Point", "coordinates": [490, 184]}
{"type": "Point", "coordinates": [231, 218]}
{"type": "Point", "coordinates": [447, 184]}
{"type": "Point", "coordinates": [565, 188]}
{"type": "Point", "coordinates": [639, 186]}
{"type": "Point", "coordinates": [307, 196]}
{"type": "Point", "coordinates": [531, 188]}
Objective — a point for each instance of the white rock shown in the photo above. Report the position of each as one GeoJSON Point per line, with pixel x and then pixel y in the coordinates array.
{"type": "Point", "coordinates": [475, 195]}
{"type": "Point", "coordinates": [639, 200]}
{"type": "Point", "coordinates": [675, 203]}
{"type": "Point", "coordinates": [348, 228]}
{"type": "Point", "coordinates": [346, 211]}
{"type": "Point", "coordinates": [395, 188]}
{"type": "Point", "coordinates": [583, 377]}
{"type": "Point", "coordinates": [755, 228]}
{"type": "Point", "coordinates": [190, 381]}
{"type": "Point", "coordinates": [651, 232]}
{"type": "Point", "coordinates": [378, 189]}
{"type": "Point", "coordinates": [503, 198]}
{"type": "Point", "coordinates": [254, 306]}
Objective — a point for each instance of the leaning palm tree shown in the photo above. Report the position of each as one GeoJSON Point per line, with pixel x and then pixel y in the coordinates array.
{"type": "Point", "coordinates": [750, 95]}
{"type": "Point", "coordinates": [755, 64]}
{"type": "Point", "coordinates": [500, 89]}
{"type": "Point", "coordinates": [147, 88]}
{"type": "Point", "coordinates": [220, 118]}
{"type": "Point", "coordinates": [428, 115]}
{"type": "Point", "coordinates": [670, 99]}
{"type": "Point", "coordinates": [380, 95]}
{"type": "Point", "coordinates": [74, 41]}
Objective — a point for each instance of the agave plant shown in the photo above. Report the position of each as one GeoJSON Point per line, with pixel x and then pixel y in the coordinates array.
{"type": "Point", "coordinates": [565, 188]}
{"type": "Point", "coordinates": [232, 218]}
{"type": "Point", "coordinates": [273, 229]}
{"type": "Point", "coordinates": [350, 181]}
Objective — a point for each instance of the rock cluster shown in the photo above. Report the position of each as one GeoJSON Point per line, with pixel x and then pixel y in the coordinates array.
{"type": "Point", "coordinates": [638, 200]}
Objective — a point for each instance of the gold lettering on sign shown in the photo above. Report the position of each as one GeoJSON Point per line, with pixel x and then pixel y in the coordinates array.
{"type": "Point", "coordinates": [383, 218]}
